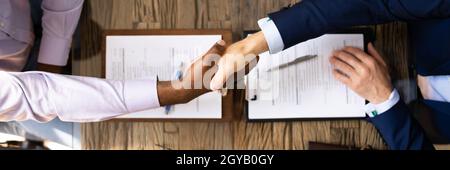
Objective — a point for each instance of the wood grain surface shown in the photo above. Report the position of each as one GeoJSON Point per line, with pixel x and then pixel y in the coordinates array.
{"type": "Point", "coordinates": [238, 15]}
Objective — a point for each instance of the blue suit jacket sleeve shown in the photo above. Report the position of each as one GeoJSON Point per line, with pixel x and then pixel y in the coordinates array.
{"type": "Point", "coordinates": [400, 130]}
{"type": "Point", "coordinates": [312, 18]}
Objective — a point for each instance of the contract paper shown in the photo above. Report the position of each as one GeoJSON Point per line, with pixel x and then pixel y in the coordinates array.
{"type": "Point", "coordinates": [303, 90]}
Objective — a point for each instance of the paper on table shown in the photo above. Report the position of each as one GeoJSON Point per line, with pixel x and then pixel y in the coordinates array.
{"type": "Point", "coordinates": [143, 57]}
{"type": "Point", "coordinates": [303, 90]}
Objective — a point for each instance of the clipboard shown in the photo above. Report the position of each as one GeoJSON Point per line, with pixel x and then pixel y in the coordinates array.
{"type": "Point", "coordinates": [368, 36]}
{"type": "Point", "coordinates": [229, 111]}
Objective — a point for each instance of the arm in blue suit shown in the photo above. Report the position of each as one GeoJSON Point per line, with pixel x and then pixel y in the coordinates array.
{"type": "Point", "coordinates": [400, 130]}
{"type": "Point", "coordinates": [312, 18]}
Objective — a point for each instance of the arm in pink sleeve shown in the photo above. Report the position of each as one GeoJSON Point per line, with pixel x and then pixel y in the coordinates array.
{"type": "Point", "coordinates": [59, 23]}
{"type": "Point", "coordinates": [43, 96]}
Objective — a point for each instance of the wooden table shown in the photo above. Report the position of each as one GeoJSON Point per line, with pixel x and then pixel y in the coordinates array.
{"type": "Point", "coordinates": [238, 15]}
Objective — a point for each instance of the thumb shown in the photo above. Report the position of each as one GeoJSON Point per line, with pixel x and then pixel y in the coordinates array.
{"type": "Point", "coordinates": [373, 52]}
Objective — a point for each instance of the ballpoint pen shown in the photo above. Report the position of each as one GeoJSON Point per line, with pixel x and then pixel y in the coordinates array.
{"type": "Point", "coordinates": [296, 61]}
{"type": "Point", "coordinates": [178, 76]}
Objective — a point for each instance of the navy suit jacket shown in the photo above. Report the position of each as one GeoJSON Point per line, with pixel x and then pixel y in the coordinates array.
{"type": "Point", "coordinates": [429, 28]}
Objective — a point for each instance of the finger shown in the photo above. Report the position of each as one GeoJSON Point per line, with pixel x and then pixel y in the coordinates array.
{"type": "Point", "coordinates": [218, 48]}
{"type": "Point", "coordinates": [220, 77]}
{"type": "Point", "coordinates": [349, 59]}
{"type": "Point", "coordinates": [358, 53]}
{"type": "Point", "coordinates": [213, 55]}
{"type": "Point", "coordinates": [252, 63]}
{"type": "Point", "coordinates": [373, 52]}
{"type": "Point", "coordinates": [341, 77]}
{"type": "Point", "coordinates": [341, 66]}
{"type": "Point", "coordinates": [222, 43]}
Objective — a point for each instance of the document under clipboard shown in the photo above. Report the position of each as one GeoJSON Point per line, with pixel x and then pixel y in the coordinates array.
{"type": "Point", "coordinates": [138, 54]}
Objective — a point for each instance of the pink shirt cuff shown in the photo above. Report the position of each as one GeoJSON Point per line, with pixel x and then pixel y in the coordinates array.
{"type": "Point", "coordinates": [54, 51]}
{"type": "Point", "coordinates": [59, 22]}
{"type": "Point", "coordinates": [138, 99]}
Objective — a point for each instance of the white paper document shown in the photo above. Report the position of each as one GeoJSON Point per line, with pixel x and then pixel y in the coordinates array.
{"type": "Point", "coordinates": [143, 57]}
{"type": "Point", "coordinates": [306, 89]}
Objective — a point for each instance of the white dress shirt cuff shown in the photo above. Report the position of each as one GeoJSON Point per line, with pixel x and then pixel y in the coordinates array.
{"type": "Point", "coordinates": [436, 88]}
{"type": "Point", "coordinates": [373, 110]}
{"type": "Point", "coordinates": [272, 35]}
{"type": "Point", "coordinates": [138, 99]}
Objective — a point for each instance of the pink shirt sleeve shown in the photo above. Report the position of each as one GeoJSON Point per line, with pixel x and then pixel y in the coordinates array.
{"type": "Point", "coordinates": [59, 22]}
{"type": "Point", "coordinates": [43, 96]}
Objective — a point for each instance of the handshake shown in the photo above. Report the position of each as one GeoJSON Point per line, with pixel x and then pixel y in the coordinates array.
{"type": "Point", "coordinates": [224, 64]}
{"type": "Point", "coordinates": [217, 70]}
